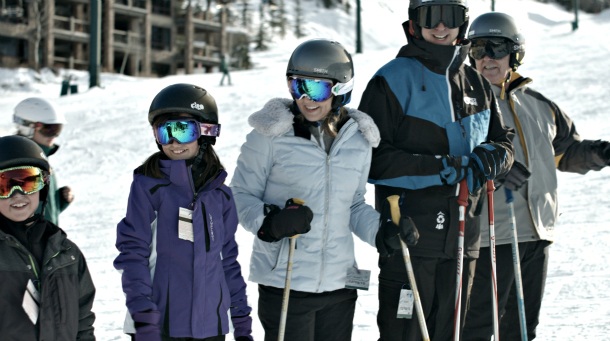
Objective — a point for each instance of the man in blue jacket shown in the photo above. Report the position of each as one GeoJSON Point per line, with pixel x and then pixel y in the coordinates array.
{"type": "Point", "coordinates": [439, 124]}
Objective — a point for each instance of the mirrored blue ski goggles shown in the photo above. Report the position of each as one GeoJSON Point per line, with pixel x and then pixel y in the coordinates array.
{"type": "Point", "coordinates": [494, 48]}
{"type": "Point", "coordinates": [184, 131]}
{"type": "Point", "coordinates": [452, 16]}
{"type": "Point", "coordinates": [318, 90]}
{"type": "Point", "coordinates": [27, 180]}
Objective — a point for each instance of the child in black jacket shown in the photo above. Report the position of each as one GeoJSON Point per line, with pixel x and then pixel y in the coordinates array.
{"type": "Point", "coordinates": [46, 291]}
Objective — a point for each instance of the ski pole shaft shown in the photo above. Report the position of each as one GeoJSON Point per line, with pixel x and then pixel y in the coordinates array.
{"type": "Point", "coordinates": [492, 253]}
{"type": "Point", "coordinates": [286, 297]}
{"type": "Point", "coordinates": [395, 211]}
{"type": "Point", "coordinates": [463, 203]}
{"type": "Point", "coordinates": [516, 264]}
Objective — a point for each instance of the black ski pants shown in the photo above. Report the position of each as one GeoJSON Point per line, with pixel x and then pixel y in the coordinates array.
{"type": "Point", "coordinates": [311, 316]}
{"type": "Point", "coordinates": [479, 321]}
{"type": "Point", "coordinates": [436, 283]}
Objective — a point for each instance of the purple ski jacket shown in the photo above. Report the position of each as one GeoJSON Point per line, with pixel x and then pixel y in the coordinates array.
{"type": "Point", "coordinates": [194, 282]}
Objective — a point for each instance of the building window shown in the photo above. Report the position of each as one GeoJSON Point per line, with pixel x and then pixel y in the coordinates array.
{"type": "Point", "coordinates": [161, 39]}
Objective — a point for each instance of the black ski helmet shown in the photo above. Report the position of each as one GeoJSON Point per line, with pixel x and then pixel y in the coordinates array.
{"type": "Point", "coordinates": [185, 98]}
{"type": "Point", "coordinates": [16, 150]}
{"type": "Point", "coordinates": [499, 25]}
{"type": "Point", "coordinates": [414, 4]}
{"type": "Point", "coordinates": [326, 59]}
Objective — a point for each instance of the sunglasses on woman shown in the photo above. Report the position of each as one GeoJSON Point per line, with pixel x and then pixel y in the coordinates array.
{"type": "Point", "coordinates": [184, 131]}
{"type": "Point", "coordinates": [27, 180]}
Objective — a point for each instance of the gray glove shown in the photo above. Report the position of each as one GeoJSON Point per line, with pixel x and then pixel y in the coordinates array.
{"type": "Point", "coordinates": [516, 177]}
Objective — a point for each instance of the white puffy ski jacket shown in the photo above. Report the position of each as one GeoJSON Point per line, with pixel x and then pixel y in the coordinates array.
{"type": "Point", "coordinates": [275, 165]}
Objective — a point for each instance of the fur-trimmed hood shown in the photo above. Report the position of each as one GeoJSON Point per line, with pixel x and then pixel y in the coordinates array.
{"type": "Point", "coordinates": [275, 119]}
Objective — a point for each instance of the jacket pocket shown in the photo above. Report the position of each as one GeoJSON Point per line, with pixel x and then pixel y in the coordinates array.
{"type": "Point", "coordinates": [63, 291]}
{"type": "Point", "coordinates": [281, 254]}
{"type": "Point", "coordinates": [433, 213]}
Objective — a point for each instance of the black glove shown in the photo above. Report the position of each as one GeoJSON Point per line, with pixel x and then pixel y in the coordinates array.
{"type": "Point", "coordinates": [387, 239]}
{"type": "Point", "coordinates": [147, 326]}
{"type": "Point", "coordinates": [489, 159]}
{"type": "Point", "coordinates": [243, 338]}
{"type": "Point", "coordinates": [486, 163]}
{"type": "Point", "coordinates": [279, 223]}
{"type": "Point", "coordinates": [516, 177]}
{"type": "Point", "coordinates": [605, 151]}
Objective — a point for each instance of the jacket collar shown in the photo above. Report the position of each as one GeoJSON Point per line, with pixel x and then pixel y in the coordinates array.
{"type": "Point", "coordinates": [180, 174]}
{"type": "Point", "coordinates": [276, 119]}
{"type": "Point", "coordinates": [48, 151]}
{"type": "Point", "coordinates": [517, 81]}
{"type": "Point", "coordinates": [437, 58]}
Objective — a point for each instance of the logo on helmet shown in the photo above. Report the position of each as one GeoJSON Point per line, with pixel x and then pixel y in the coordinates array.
{"type": "Point", "coordinates": [197, 106]}
{"type": "Point", "coordinates": [320, 70]}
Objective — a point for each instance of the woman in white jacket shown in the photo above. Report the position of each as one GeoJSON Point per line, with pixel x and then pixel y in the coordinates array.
{"type": "Point", "coordinates": [313, 148]}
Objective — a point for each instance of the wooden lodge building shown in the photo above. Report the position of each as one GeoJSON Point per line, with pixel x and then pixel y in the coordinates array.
{"type": "Point", "coordinates": [138, 37]}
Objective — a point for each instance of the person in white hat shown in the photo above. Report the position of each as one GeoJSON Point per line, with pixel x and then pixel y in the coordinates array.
{"type": "Point", "coordinates": [40, 121]}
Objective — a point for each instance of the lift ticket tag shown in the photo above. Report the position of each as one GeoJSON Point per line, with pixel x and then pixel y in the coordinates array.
{"type": "Point", "coordinates": [405, 304]}
{"type": "Point", "coordinates": [31, 301]}
{"type": "Point", "coordinates": [185, 224]}
{"type": "Point", "coordinates": [357, 279]}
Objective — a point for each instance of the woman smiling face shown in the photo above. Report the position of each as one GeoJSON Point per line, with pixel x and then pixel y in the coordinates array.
{"type": "Point", "coordinates": [313, 111]}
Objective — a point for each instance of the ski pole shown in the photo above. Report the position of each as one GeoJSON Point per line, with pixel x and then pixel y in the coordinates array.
{"type": "Point", "coordinates": [516, 264]}
{"type": "Point", "coordinates": [463, 202]}
{"type": "Point", "coordinates": [395, 211]}
{"type": "Point", "coordinates": [286, 297]}
{"type": "Point", "coordinates": [492, 253]}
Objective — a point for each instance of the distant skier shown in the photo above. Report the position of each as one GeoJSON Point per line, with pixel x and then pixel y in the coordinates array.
{"type": "Point", "coordinates": [38, 119]}
{"type": "Point", "coordinates": [224, 68]}
{"type": "Point", "coordinates": [546, 140]}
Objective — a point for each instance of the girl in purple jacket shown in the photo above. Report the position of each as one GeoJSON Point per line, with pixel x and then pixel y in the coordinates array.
{"type": "Point", "coordinates": [178, 254]}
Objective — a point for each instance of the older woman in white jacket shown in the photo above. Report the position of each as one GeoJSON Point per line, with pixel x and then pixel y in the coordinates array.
{"type": "Point", "coordinates": [313, 148]}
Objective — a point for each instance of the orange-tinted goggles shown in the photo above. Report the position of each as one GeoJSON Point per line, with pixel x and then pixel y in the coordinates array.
{"type": "Point", "coordinates": [26, 180]}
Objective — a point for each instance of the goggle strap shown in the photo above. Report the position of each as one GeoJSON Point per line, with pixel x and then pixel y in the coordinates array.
{"type": "Point", "coordinates": [209, 129]}
{"type": "Point", "coordinates": [343, 88]}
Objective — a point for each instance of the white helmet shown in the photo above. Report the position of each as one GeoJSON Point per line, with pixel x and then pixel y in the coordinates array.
{"type": "Point", "coordinates": [32, 110]}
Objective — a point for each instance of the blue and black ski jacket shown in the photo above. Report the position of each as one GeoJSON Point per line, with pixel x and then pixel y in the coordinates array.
{"type": "Point", "coordinates": [427, 103]}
